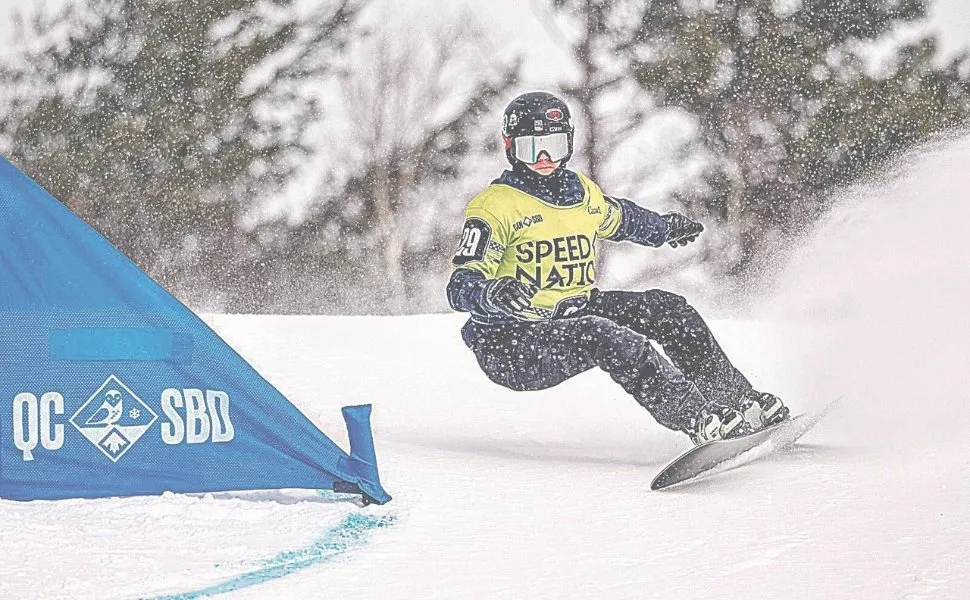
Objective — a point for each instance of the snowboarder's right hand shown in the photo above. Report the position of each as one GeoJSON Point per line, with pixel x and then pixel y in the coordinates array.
{"type": "Point", "coordinates": [681, 229]}
{"type": "Point", "coordinates": [508, 295]}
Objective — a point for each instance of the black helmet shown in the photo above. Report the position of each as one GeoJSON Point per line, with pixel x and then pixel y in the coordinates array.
{"type": "Point", "coordinates": [539, 118]}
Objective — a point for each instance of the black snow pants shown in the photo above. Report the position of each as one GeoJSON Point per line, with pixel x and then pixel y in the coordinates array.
{"type": "Point", "coordinates": [614, 333]}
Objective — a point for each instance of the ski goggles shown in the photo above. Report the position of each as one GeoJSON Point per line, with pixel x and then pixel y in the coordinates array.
{"type": "Point", "coordinates": [528, 147]}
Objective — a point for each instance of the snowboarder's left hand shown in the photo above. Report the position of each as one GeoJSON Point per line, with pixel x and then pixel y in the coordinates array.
{"type": "Point", "coordinates": [681, 229]}
{"type": "Point", "coordinates": [508, 295]}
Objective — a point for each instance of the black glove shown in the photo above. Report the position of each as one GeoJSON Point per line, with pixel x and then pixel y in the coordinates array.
{"type": "Point", "coordinates": [508, 295]}
{"type": "Point", "coordinates": [681, 229]}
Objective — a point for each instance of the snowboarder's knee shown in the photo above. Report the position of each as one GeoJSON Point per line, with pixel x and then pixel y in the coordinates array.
{"type": "Point", "coordinates": [664, 301]}
{"type": "Point", "coordinates": [665, 298]}
{"type": "Point", "coordinates": [504, 371]}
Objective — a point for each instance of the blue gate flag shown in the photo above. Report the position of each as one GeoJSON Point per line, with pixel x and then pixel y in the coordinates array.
{"type": "Point", "coordinates": [112, 387]}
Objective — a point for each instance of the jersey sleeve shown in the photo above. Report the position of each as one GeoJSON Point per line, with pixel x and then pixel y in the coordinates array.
{"type": "Point", "coordinates": [637, 224]}
{"type": "Point", "coordinates": [481, 247]}
{"type": "Point", "coordinates": [612, 217]}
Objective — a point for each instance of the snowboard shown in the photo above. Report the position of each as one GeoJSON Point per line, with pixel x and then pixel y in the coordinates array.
{"type": "Point", "coordinates": [735, 452]}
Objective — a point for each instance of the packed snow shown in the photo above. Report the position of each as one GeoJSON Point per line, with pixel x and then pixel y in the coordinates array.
{"type": "Point", "coordinates": [546, 494]}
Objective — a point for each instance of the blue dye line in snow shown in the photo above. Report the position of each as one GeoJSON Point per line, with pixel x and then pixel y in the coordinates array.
{"type": "Point", "coordinates": [351, 533]}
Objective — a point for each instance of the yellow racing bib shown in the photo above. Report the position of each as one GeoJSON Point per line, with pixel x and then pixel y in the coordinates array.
{"type": "Point", "coordinates": [508, 232]}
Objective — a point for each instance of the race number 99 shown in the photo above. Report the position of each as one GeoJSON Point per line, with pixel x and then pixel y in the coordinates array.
{"type": "Point", "coordinates": [475, 236]}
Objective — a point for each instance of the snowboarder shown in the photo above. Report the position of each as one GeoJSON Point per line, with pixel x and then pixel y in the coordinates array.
{"type": "Point", "coordinates": [524, 270]}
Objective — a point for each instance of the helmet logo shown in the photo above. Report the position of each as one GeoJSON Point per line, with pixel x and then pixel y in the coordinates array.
{"type": "Point", "coordinates": [554, 114]}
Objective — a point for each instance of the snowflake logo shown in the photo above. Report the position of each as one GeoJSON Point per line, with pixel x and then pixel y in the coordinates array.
{"type": "Point", "coordinates": [134, 413]}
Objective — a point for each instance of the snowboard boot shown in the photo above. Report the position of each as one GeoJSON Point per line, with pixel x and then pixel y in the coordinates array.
{"type": "Point", "coordinates": [719, 424]}
{"type": "Point", "coordinates": [761, 409]}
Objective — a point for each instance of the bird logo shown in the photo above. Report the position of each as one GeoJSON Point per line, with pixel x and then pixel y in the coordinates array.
{"type": "Point", "coordinates": [109, 412]}
{"type": "Point", "coordinates": [113, 418]}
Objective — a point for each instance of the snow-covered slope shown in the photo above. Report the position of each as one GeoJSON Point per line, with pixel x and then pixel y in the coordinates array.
{"type": "Point", "coordinates": [546, 494]}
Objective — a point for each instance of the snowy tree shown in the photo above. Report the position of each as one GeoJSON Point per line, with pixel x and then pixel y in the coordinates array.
{"type": "Point", "coordinates": [409, 124]}
{"type": "Point", "coordinates": [793, 99]}
{"type": "Point", "coordinates": [163, 122]}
